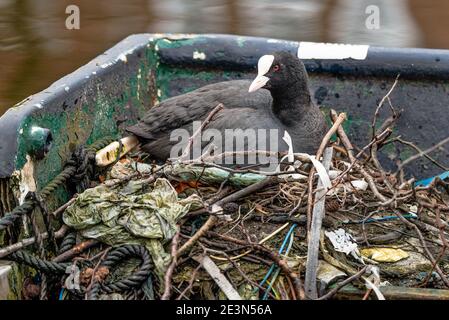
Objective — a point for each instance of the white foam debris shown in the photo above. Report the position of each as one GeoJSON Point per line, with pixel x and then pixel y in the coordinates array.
{"type": "Point", "coordinates": [67, 89]}
{"type": "Point", "coordinates": [199, 55]}
{"type": "Point", "coordinates": [38, 105]}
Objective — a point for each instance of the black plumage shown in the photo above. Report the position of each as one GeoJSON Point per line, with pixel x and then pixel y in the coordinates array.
{"type": "Point", "coordinates": [284, 103]}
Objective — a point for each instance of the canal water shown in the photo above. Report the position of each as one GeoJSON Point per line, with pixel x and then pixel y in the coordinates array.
{"type": "Point", "coordinates": [37, 48]}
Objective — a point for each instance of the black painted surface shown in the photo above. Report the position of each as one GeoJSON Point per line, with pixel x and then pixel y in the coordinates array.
{"type": "Point", "coordinates": [353, 86]}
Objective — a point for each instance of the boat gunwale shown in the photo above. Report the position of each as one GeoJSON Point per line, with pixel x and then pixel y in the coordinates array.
{"type": "Point", "coordinates": [413, 63]}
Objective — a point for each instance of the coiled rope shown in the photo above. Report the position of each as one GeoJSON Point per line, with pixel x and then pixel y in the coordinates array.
{"type": "Point", "coordinates": [77, 166]}
{"type": "Point", "coordinates": [37, 263]}
{"type": "Point", "coordinates": [136, 280]}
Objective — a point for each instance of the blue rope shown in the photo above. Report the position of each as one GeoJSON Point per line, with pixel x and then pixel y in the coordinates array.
{"type": "Point", "coordinates": [273, 266]}
{"type": "Point", "coordinates": [61, 294]}
{"type": "Point", "coordinates": [426, 182]}
{"type": "Point", "coordinates": [410, 215]}
{"type": "Point", "coordinates": [278, 269]}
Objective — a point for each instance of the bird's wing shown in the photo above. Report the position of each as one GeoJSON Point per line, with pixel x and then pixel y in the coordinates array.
{"type": "Point", "coordinates": [178, 111]}
{"type": "Point", "coordinates": [237, 130]}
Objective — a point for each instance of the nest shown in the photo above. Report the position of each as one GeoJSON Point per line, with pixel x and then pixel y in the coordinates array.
{"type": "Point", "coordinates": [353, 231]}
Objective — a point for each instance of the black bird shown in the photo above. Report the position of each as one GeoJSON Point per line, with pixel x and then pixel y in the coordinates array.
{"type": "Point", "coordinates": [278, 98]}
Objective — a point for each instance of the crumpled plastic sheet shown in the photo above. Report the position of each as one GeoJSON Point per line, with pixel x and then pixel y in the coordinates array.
{"type": "Point", "coordinates": [343, 241]}
{"type": "Point", "coordinates": [136, 213]}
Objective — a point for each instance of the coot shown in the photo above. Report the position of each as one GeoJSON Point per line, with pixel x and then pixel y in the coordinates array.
{"type": "Point", "coordinates": [277, 99]}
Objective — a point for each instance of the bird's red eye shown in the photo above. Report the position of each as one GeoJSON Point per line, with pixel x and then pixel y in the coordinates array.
{"type": "Point", "coordinates": [276, 67]}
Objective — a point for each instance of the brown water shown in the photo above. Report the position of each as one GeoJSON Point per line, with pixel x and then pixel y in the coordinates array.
{"type": "Point", "coordinates": [37, 49]}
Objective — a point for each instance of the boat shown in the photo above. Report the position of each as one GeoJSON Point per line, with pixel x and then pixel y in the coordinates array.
{"type": "Point", "coordinates": [101, 98]}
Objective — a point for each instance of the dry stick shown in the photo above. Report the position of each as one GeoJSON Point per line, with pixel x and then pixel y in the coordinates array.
{"type": "Point", "coordinates": [315, 231]}
{"type": "Point", "coordinates": [331, 293]}
{"type": "Point", "coordinates": [377, 164]}
{"type": "Point", "coordinates": [294, 277]}
{"type": "Point", "coordinates": [171, 268]}
{"type": "Point", "coordinates": [29, 241]}
{"type": "Point", "coordinates": [245, 276]}
{"type": "Point", "coordinates": [94, 271]}
{"type": "Point", "coordinates": [204, 228]}
{"type": "Point", "coordinates": [379, 106]}
{"type": "Point", "coordinates": [349, 148]}
{"type": "Point", "coordinates": [377, 139]}
{"type": "Point", "coordinates": [76, 250]}
{"type": "Point", "coordinates": [421, 154]}
{"type": "Point", "coordinates": [62, 208]}
{"type": "Point", "coordinates": [417, 149]}
{"type": "Point", "coordinates": [190, 285]}
{"type": "Point", "coordinates": [213, 218]}
{"type": "Point", "coordinates": [337, 122]}
{"type": "Point", "coordinates": [371, 184]}
{"type": "Point", "coordinates": [444, 242]}
{"type": "Point", "coordinates": [197, 132]}
{"type": "Point", "coordinates": [426, 249]}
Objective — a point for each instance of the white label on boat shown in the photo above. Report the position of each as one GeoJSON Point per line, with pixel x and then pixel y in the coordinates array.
{"type": "Point", "coordinates": [313, 50]}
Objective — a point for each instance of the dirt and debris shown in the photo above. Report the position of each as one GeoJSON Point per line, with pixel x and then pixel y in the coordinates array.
{"type": "Point", "coordinates": [340, 227]}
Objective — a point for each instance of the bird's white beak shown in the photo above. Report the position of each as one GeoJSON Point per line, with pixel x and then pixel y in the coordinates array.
{"type": "Point", "coordinates": [263, 66]}
{"type": "Point", "coordinates": [258, 83]}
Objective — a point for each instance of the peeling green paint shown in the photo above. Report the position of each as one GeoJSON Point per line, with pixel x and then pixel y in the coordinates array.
{"type": "Point", "coordinates": [110, 106]}
{"type": "Point", "coordinates": [15, 280]}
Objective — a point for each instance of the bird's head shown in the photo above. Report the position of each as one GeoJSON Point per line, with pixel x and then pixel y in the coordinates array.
{"type": "Point", "coordinates": [278, 71]}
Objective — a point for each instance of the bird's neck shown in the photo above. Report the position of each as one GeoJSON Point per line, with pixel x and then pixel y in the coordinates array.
{"type": "Point", "coordinates": [292, 103]}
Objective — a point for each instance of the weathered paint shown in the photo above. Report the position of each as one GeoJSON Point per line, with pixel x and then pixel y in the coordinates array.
{"type": "Point", "coordinates": [116, 88]}
{"type": "Point", "coordinates": [356, 95]}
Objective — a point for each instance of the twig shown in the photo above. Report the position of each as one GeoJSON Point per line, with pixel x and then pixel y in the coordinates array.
{"type": "Point", "coordinates": [92, 279]}
{"type": "Point", "coordinates": [340, 285]}
{"type": "Point", "coordinates": [169, 274]}
{"type": "Point", "coordinates": [217, 205]}
{"type": "Point", "coordinates": [349, 148]}
{"type": "Point", "coordinates": [337, 123]}
{"type": "Point", "coordinates": [191, 281]}
{"type": "Point", "coordinates": [76, 250]}
{"type": "Point", "coordinates": [245, 276]}
{"type": "Point", "coordinates": [417, 149]}
{"type": "Point", "coordinates": [379, 106]}
{"type": "Point", "coordinates": [294, 277]}
{"type": "Point", "coordinates": [426, 249]}
{"type": "Point", "coordinates": [29, 241]}
{"type": "Point", "coordinates": [421, 154]}
{"type": "Point", "coordinates": [186, 151]}
{"type": "Point", "coordinates": [62, 208]}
